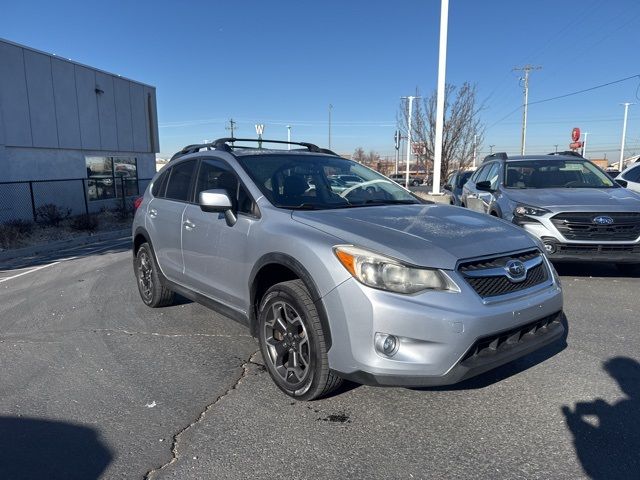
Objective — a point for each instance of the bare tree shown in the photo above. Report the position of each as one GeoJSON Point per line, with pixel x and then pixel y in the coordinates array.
{"type": "Point", "coordinates": [462, 127]}
{"type": "Point", "coordinates": [359, 155]}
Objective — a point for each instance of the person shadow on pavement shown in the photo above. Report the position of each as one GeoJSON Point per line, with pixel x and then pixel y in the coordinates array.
{"type": "Point", "coordinates": [607, 436]}
{"type": "Point", "coordinates": [32, 448]}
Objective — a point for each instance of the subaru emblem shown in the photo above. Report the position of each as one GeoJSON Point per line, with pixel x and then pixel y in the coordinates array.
{"type": "Point", "coordinates": [603, 220]}
{"type": "Point", "coordinates": [516, 270]}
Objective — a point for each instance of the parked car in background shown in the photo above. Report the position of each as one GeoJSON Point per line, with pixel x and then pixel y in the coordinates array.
{"type": "Point", "coordinates": [631, 177]}
{"type": "Point", "coordinates": [347, 180]}
{"type": "Point", "coordinates": [371, 285]}
{"type": "Point", "coordinates": [453, 185]}
{"type": "Point", "coordinates": [401, 179]}
{"type": "Point", "coordinates": [571, 205]}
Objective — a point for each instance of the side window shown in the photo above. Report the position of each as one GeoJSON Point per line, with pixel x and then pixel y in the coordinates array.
{"type": "Point", "coordinates": [180, 181]}
{"type": "Point", "coordinates": [633, 175]}
{"type": "Point", "coordinates": [160, 184]}
{"type": "Point", "coordinates": [481, 175]}
{"type": "Point", "coordinates": [216, 175]}
{"type": "Point", "coordinates": [494, 175]}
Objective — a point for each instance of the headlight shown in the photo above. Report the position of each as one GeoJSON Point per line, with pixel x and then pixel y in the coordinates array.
{"type": "Point", "coordinates": [379, 271]}
{"type": "Point", "coordinates": [529, 211]}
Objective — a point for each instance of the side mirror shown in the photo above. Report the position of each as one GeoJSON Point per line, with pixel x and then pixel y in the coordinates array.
{"type": "Point", "coordinates": [447, 186]}
{"type": "Point", "coordinates": [216, 201]}
{"type": "Point", "coordinates": [485, 186]}
{"type": "Point", "coordinates": [622, 183]}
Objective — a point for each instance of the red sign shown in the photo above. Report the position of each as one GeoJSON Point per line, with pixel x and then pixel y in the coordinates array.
{"type": "Point", "coordinates": [575, 145]}
{"type": "Point", "coordinates": [575, 134]}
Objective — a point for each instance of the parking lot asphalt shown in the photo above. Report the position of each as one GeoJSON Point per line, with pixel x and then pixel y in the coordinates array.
{"type": "Point", "coordinates": [93, 384]}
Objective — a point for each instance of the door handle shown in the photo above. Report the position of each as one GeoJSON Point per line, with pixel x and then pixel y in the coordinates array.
{"type": "Point", "coordinates": [153, 213]}
{"type": "Point", "coordinates": [188, 225]}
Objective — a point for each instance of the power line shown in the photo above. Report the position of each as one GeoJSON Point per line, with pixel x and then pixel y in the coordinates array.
{"type": "Point", "coordinates": [585, 90]}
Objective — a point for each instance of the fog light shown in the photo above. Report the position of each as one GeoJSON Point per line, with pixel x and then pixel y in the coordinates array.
{"type": "Point", "coordinates": [386, 344]}
{"type": "Point", "coordinates": [550, 248]}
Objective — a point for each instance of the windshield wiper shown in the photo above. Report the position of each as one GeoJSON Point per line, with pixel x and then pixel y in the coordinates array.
{"type": "Point", "coordinates": [303, 206]}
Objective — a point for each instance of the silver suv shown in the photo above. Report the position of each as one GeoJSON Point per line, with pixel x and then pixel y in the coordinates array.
{"type": "Point", "coordinates": [367, 283]}
{"type": "Point", "coordinates": [573, 207]}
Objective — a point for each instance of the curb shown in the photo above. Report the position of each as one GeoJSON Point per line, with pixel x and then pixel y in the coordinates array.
{"type": "Point", "coordinates": [72, 242]}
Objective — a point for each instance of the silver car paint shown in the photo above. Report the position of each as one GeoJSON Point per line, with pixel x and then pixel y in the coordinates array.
{"type": "Point", "coordinates": [439, 326]}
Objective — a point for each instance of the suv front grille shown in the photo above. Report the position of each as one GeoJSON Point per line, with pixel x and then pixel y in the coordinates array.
{"type": "Point", "coordinates": [580, 226]}
{"type": "Point", "coordinates": [489, 278]}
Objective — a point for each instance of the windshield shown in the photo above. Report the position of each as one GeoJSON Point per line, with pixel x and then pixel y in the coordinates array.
{"type": "Point", "coordinates": [321, 182]}
{"type": "Point", "coordinates": [555, 174]}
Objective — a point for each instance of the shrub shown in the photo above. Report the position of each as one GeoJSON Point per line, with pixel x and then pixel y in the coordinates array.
{"type": "Point", "coordinates": [85, 222]}
{"type": "Point", "coordinates": [9, 236]}
{"type": "Point", "coordinates": [51, 215]}
{"type": "Point", "coordinates": [24, 227]}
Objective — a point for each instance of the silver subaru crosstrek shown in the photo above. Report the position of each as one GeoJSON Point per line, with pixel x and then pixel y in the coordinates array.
{"type": "Point", "coordinates": [368, 283]}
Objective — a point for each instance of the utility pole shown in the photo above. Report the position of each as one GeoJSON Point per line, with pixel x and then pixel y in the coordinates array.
{"type": "Point", "coordinates": [289, 136]}
{"type": "Point", "coordinates": [442, 67]}
{"type": "Point", "coordinates": [330, 108]}
{"type": "Point", "coordinates": [475, 150]}
{"type": "Point", "coordinates": [232, 126]}
{"type": "Point", "coordinates": [584, 145]}
{"type": "Point", "coordinates": [491, 149]}
{"type": "Point", "coordinates": [411, 99]}
{"type": "Point", "coordinates": [396, 139]}
{"type": "Point", "coordinates": [526, 69]}
{"type": "Point", "coordinates": [624, 134]}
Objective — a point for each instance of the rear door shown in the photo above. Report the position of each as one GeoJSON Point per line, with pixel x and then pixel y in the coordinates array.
{"type": "Point", "coordinates": [214, 252]}
{"type": "Point", "coordinates": [164, 218]}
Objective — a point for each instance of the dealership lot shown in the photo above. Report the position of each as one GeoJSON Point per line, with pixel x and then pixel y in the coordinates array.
{"type": "Point", "coordinates": [95, 384]}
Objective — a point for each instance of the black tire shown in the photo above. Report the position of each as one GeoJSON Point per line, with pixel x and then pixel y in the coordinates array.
{"type": "Point", "coordinates": [628, 268]}
{"type": "Point", "coordinates": [150, 285]}
{"type": "Point", "coordinates": [292, 342]}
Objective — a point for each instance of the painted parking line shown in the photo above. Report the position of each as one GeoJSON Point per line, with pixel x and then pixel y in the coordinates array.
{"type": "Point", "coordinates": [34, 269]}
{"type": "Point", "coordinates": [80, 251]}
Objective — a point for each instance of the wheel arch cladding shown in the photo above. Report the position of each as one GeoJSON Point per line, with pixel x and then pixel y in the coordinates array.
{"type": "Point", "coordinates": [274, 268]}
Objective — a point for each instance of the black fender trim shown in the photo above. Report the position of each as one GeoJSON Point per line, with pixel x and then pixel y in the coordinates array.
{"type": "Point", "coordinates": [295, 266]}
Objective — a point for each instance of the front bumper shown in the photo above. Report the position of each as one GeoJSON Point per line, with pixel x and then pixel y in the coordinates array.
{"type": "Point", "coordinates": [444, 337]}
{"type": "Point", "coordinates": [559, 249]}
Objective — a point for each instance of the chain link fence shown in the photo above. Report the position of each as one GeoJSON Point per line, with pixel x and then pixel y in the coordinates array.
{"type": "Point", "coordinates": [22, 200]}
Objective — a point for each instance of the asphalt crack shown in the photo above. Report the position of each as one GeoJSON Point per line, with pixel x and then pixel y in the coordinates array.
{"type": "Point", "coordinates": [176, 438]}
{"type": "Point", "coordinates": [169, 335]}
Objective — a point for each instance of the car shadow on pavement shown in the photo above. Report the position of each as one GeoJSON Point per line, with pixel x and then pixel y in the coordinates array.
{"type": "Point", "coordinates": [101, 248]}
{"type": "Point", "coordinates": [509, 369]}
{"type": "Point", "coordinates": [607, 436]}
{"type": "Point", "coordinates": [34, 448]}
{"type": "Point", "coordinates": [606, 270]}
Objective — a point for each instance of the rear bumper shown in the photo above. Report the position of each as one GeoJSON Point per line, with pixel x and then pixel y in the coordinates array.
{"type": "Point", "coordinates": [486, 354]}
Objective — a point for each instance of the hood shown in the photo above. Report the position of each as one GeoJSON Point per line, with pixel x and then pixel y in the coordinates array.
{"type": "Point", "coordinates": [557, 199]}
{"type": "Point", "coordinates": [435, 236]}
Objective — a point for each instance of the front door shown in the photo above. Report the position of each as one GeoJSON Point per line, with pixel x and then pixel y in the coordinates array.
{"type": "Point", "coordinates": [214, 252]}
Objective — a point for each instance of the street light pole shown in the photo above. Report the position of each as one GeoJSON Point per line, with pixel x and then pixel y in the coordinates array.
{"type": "Point", "coordinates": [556, 148]}
{"type": "Point", "coordinates": [624, 134]}
{"type": "Point", "coordinates": [491, 149]}
{"type": "Point", "coordinates": [442, 67]}
{"type": "Point", "coordinates": [475, 150]}
{"type": "Point", "coordinates": [289, 136]}
{"type": "Point", "coordinates": [330, 108]}
{"type": "Point", "coordinates": [410, 98]}
{"type": "Point", "coordinates": [584, 145]}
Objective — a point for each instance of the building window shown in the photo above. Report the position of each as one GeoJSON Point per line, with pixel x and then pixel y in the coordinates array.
{"type": "Point", "coordinates": [108, 177]}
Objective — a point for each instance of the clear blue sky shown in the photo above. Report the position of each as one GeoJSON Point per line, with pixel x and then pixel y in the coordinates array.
{"type": "Point", "coordinates": [283, 62]}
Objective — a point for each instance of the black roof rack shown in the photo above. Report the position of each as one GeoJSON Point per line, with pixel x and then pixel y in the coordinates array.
{"type": "Point", "coordinates": [494, 156]}
{"type": "Point", "coordinates": [223, 144]}
{"type": "Point", "coordinates": [570, 153]}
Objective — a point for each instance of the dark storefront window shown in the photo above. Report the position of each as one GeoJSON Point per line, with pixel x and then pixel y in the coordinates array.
{"type": "Point", "coordinates": [107, 176]}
